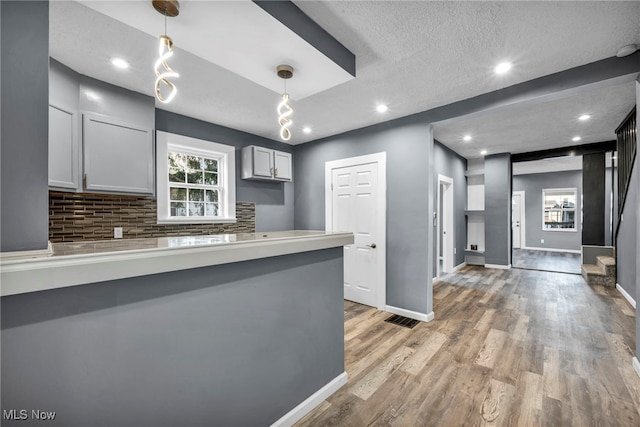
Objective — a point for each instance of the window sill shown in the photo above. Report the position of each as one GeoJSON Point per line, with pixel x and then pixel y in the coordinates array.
{"type": "Point", "coordinates": [572, 230]}
{"type": "Point", "coordinates": [197, 221]}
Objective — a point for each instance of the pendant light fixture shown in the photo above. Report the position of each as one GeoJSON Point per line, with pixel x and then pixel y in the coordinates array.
{"type": "Point", "coordinates": [285, 111]}
{"type": "Point", "coordinates": [169, 8]}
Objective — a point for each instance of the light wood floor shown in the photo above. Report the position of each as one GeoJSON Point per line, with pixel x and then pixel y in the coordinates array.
{"type": "Point", "coordinates": [507, 347]}
{"type": "Point", "coordinates": [561, 262]}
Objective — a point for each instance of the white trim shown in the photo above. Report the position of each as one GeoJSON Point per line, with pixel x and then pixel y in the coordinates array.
{"type": "Point", "coordinates": [498, 266]}
{"type": "Point", "coordinates": [37, 253]}
{"type": "Point", "coordinates": [636, 365]}
{"type": "Point", "coordinates": [297, 413]}
{"type": "Point", "coordinates": [523, 217]}
{"type": "Point", "coordinates": [164, 254]}
{"type": "Point", "coordinates": [459, 266]}
{"type": "Point", "coordinates": [410, 314]}
{"type": "Point", "coordinates": [626, 295]}
{"type": "Point", "coordinates": [381, 160]}
{"type": "Point", "coordinates": [226, 176]}
{"type": "Point", "coordinates": [570, 251]}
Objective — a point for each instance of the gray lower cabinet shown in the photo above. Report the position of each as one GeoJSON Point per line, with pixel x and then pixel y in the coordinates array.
{"type": "Point", "coordinates": [118, 156]}
{"type": "Point", "coordinates": [264, 164]}
{"type": "Point", "coordinates": [64, 151]}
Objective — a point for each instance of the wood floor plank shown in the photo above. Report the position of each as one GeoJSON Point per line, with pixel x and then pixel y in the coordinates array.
{"type": "Point", "coordinates": [506, 348]}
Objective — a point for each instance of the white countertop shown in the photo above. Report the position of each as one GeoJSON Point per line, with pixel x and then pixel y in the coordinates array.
{"type": "Point", "coordinates": [78, 263]}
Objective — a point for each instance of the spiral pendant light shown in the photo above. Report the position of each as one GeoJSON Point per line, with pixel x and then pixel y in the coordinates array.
{"type": "Point", "coordinates": [162, 69]}
{"type": "Point", "coordinates": [285, 111]}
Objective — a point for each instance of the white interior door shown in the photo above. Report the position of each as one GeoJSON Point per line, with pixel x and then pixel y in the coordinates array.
{"type": "Point", "coordinates": [357, 204]}
{"type": "Point", "coordinates": [517, 222]}
{"type": "Point", "coordinates": [445, 224]}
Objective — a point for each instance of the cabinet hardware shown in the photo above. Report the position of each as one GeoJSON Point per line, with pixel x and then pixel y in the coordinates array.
{"type": "Point", "coordinates": [372, 246]}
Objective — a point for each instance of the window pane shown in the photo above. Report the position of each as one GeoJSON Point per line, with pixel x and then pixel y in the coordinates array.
{"type": "Point", "coordinates": [196, 209]}
{"type": "Point", "coordinates": [196, 195]}
{"type": "Point", "coordinates": [178, 193]}
{"type": "Point", "coordinates": [177, 160]}
{"type": "Point", "coordinates": [176, 175]}
{"type": "Point", "coordinates": [210, 178]}
{"type": "Point", "coordinates": [559, 199]}
{"type": "Point", "coordinates": [212, 209]}
{"type": "Point", "coordinates": [178, 209]}
{"type": "Point", "coordinates": [212, 196]}
{"type": "Point", "coordinates": [194, 177]}
{"type": "Point", "coordinates": [211, 165]}
{"type": "Point", "coordinates": [194, 162]}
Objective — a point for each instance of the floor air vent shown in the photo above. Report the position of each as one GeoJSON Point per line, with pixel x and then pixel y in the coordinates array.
{"type": "Point", "coordinates": [402, 321]}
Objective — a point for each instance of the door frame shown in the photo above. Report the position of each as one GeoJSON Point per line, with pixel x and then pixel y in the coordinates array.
{"type": "Point", "coordinates": [523, 216]}
{"type": "Point", "coordinates": [447, 222]}
{"type": "Point", "coordinates": [381, 160]}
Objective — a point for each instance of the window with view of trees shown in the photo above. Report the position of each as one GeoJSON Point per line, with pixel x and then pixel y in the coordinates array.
{"type": "Point", "coordinates": [559, 209]}
{"type": "Point", "coordinates": [196, 180]}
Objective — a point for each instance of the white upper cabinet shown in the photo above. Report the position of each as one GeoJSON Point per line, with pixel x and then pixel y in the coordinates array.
{"type": "Point", "coordinates": [263, 164]}
{"type": "Point", "coordinates": [118, 156]}
{"type": "Point", "coordinates": [63, 149]}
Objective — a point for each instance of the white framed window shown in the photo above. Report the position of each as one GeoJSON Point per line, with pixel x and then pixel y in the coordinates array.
{"type": "Point", "coordinates": [559, 209]}
{"type": "Point", "coordinates": [196, 180]}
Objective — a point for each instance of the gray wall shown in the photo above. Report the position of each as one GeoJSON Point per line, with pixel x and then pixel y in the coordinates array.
{"type": "Point", "coordinates": [232, 345]}
{"type": "Point", "coordinates": [448, 163]}
{"type": "Point", "coordinates": [274, 201]}
{"type": "Point", "coordinates": [409, 196]}
{"type": "Point", "coordinates": [532, 185]}
{"type": "Point", "coordinates": [497, 209]}
{"type": "Point", "coordinates": [627, 238]}
{"type": "Point", "coordinates": [637, 193]}
{"type": "Point", "coordinates": [24, 85]}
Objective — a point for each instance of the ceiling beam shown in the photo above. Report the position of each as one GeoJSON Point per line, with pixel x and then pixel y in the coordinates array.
{"type": "Point", "coordinates": [575, 150]}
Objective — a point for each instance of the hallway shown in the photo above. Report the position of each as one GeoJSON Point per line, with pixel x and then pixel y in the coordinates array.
{"type": "Point", "coordinates": [507, 347]}
{"type": "Point", "coordinates": [560, 262]}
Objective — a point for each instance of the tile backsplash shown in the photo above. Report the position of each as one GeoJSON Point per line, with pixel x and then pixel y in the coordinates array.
{"type": "Point", "coordinates": [91, 216]}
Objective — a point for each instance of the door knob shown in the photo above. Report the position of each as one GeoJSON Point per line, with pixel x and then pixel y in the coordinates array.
{"type": "Point", "coordinates": [372, 246]}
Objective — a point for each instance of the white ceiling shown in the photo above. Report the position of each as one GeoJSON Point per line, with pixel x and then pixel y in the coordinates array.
{"type": "Point", "coordinates": [414, 56]}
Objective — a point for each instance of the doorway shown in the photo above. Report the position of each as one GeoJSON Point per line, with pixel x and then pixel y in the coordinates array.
{"type": "Point", "coordinates": [518, 219]}
{"type": "Point", "coordinates": [444, 225]}
{"type": "Point", "coordinates": [355, 201]}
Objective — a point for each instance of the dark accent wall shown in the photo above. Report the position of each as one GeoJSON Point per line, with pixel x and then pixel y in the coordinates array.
{"type": "Point", "coordinates": [593, 199]}
{"type": "Point", "coordinates": [497, 209]}
{"type": "Point", "coordinates": [239, 344]}
{"type": "Point", "coordinates": [449, 163]}
{"type": "Point", "coordinates": [274, 201]}
{"type": "Point", "coordinates": [24, 85]}
{"type": "Point", "coordinates": [532, 185]}
{"type": "Point", "coordinates": [409, 159]}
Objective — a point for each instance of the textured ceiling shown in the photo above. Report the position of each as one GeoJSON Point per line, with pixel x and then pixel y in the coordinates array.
{"type": "Point", "coordinates": [411, 55]}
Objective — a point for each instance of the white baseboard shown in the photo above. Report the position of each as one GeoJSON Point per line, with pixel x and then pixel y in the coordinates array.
{"type": "Point", "coordinates": [459, 266]}
{"type": "Point", "coordinates": [636, 365]}
{"type": "Point", "coordinates": [434, 280]}
{"type": "Point", "coordinates": [498, 266]}
{"type": "Point", "coordinates": [294, 415]}
{"type": "Point", "coordinates": [570, 251]}
{"type": "Point", "coordinates": [410, 314]}
{"type": "Point", "coordinates": [626, 295]}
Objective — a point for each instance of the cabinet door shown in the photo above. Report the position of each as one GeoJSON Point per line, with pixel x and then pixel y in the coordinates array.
{"type": "Point", "coordinates": [118, 157]}
{"type": "Point", "coordinates": [282, 165]}
{"type": "Point", "coordinates": [63, 149]}
{"type": "Point", "coordinates": [262, 162]}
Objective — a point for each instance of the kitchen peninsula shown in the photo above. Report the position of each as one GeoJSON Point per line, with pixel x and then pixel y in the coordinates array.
{"type": "Point", "coordinates": [242, 330]}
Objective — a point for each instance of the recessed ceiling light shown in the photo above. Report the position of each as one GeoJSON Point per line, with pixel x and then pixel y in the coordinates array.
{"type": "Point", "coordinates": [467, 138]}
{"type": "Point", "coordinates": [502, 67]}
{"type": "Point", "coordinates": [627, 50]}
{"type": "Point", "coordinates": [382, 108]}
{"type": "Point", "coordinates": [584, 117]}
{"type": "Point", "coordinates": [119, 63]}
{"type": "Point", "coordinates": [483, 152]}
{"type": "Point", "coordinates": [576, 138]}
{"type": "Point", "coordinates": [306, 130]}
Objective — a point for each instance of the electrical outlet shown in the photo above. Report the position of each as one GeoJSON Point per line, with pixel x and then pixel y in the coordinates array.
{"type": "Point", "coordinates": [541, 240]}
{"type": "Point", "coordinates": [117, 233]}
